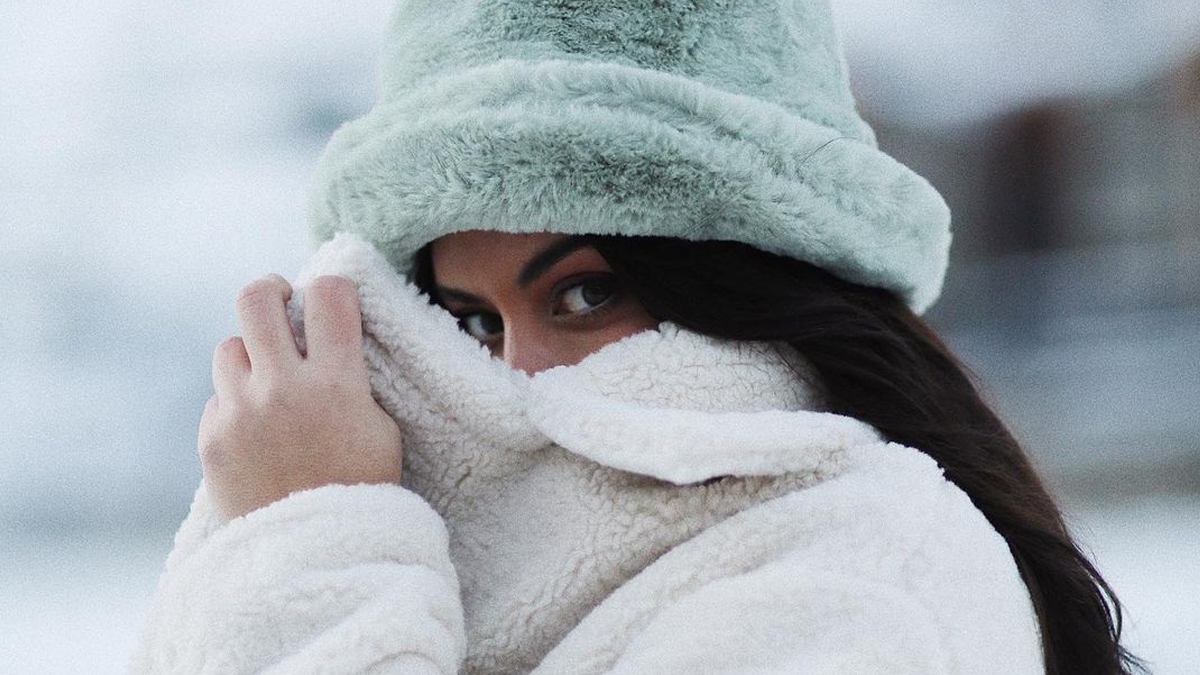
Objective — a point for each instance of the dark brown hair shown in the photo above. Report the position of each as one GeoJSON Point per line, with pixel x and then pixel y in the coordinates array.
{"type": "Point", "coordinates": [881, 363]}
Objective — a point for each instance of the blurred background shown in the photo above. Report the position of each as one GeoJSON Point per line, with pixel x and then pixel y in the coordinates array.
{"type": "Point", "coordinates": [154, 158]}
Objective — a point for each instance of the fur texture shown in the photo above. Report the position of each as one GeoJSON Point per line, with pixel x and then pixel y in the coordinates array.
{"type": "Point", "coordinates": [700, 119]}
{"type": "Point", "coordinates": [673, 503]}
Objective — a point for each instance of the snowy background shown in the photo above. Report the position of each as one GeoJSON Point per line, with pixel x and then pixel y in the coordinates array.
{"type": "Point", "coordinates": [155, 158]}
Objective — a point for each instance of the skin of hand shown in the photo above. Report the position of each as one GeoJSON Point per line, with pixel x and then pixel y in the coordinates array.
{"type": "Point", "coordinates": [281, 421]}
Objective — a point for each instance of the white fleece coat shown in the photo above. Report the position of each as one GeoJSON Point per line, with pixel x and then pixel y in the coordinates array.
{"type": "Point", "coordinates": [673, 503]}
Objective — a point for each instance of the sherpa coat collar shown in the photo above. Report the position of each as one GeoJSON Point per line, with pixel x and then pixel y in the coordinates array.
{"type": "Point", "coordinates": [667, 403]}
{"type": "Point", "coordinates": [557, 488]}
{"type": "Point", "coordinates": [673, 503]}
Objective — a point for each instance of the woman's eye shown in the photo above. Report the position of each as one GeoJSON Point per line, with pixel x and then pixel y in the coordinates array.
{"type": "Point", "coordinates": [586, 296]}
{"type": "Point", "coordinates": [481, 325]}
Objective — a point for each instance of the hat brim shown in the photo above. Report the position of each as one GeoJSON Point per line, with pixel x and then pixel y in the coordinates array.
{"type": "Point", "coordinates": [583, 148]}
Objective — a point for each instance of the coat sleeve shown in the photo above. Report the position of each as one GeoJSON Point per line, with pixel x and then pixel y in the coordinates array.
{"type": "Point", "coordinates": [339, 579]}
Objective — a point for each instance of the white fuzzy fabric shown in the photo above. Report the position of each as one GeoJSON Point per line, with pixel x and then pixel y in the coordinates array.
{"type": "Point", "coordinates": [673, 503]}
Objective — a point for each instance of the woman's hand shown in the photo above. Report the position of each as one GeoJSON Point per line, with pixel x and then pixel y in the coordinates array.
{"type": "Point", "coordinates": [281, 421]}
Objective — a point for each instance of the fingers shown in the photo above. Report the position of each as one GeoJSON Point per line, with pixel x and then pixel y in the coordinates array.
{"type": "Point", "coordinates": [266, 331]}
{"type": "Point", "coordinates": [333, 321]}
{"type": "Point", "coordinates": [230, 366]}
{"type": "Point", "coordinates": [208, 421]}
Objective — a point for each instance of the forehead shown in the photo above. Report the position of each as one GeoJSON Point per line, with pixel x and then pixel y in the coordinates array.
{"type": "Point", "coordinates": [480, 252]}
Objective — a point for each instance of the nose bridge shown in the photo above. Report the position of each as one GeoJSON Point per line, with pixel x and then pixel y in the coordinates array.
{"type": "Point", "coordinates": [528, 348]}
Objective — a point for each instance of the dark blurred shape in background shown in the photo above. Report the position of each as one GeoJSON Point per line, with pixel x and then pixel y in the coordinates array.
{"type": "Point", "coordinates": [1074, 285]}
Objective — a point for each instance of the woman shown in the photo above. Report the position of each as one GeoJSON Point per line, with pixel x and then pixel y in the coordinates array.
{"type": "Point", "coordinates": [495, 433]}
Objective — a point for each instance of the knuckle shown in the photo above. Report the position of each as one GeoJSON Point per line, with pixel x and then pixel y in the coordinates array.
{"type": "Point", "coordinates": [208, 416]}
{"type": "Point", "coordinates": [255, 291]}
{"type": "Point", "coordinates": [229, 346]}
{"type": "Point", "coordinates": [331, 386]}
{"type": "Point", "coordinates": [264, 288]}
{"type": "Point", "coordinates": [333, 286]}
{"type": "Point", "coordinates": [211, 450]}
{"type": "Point", "coordinates": [273, 391]}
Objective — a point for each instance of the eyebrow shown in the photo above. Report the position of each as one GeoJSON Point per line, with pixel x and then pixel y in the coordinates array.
{"type": "Point", "coordinates": [544, 259]}
{"type": "Point", "coordinates": [447, 293]}
{"type": "Point", "coordinates": [538, 265]}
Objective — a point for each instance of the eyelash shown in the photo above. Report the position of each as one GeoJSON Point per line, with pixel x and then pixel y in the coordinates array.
{"type": "Point", "coordinates": [605, 280]}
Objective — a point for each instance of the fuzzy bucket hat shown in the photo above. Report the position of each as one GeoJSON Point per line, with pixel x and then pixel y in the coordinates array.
{"type": "Point", "coordinates": [699, 119]}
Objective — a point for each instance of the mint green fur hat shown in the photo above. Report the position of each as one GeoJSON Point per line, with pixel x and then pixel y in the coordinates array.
{"type": "Point", "coordinates": [699, 119]}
